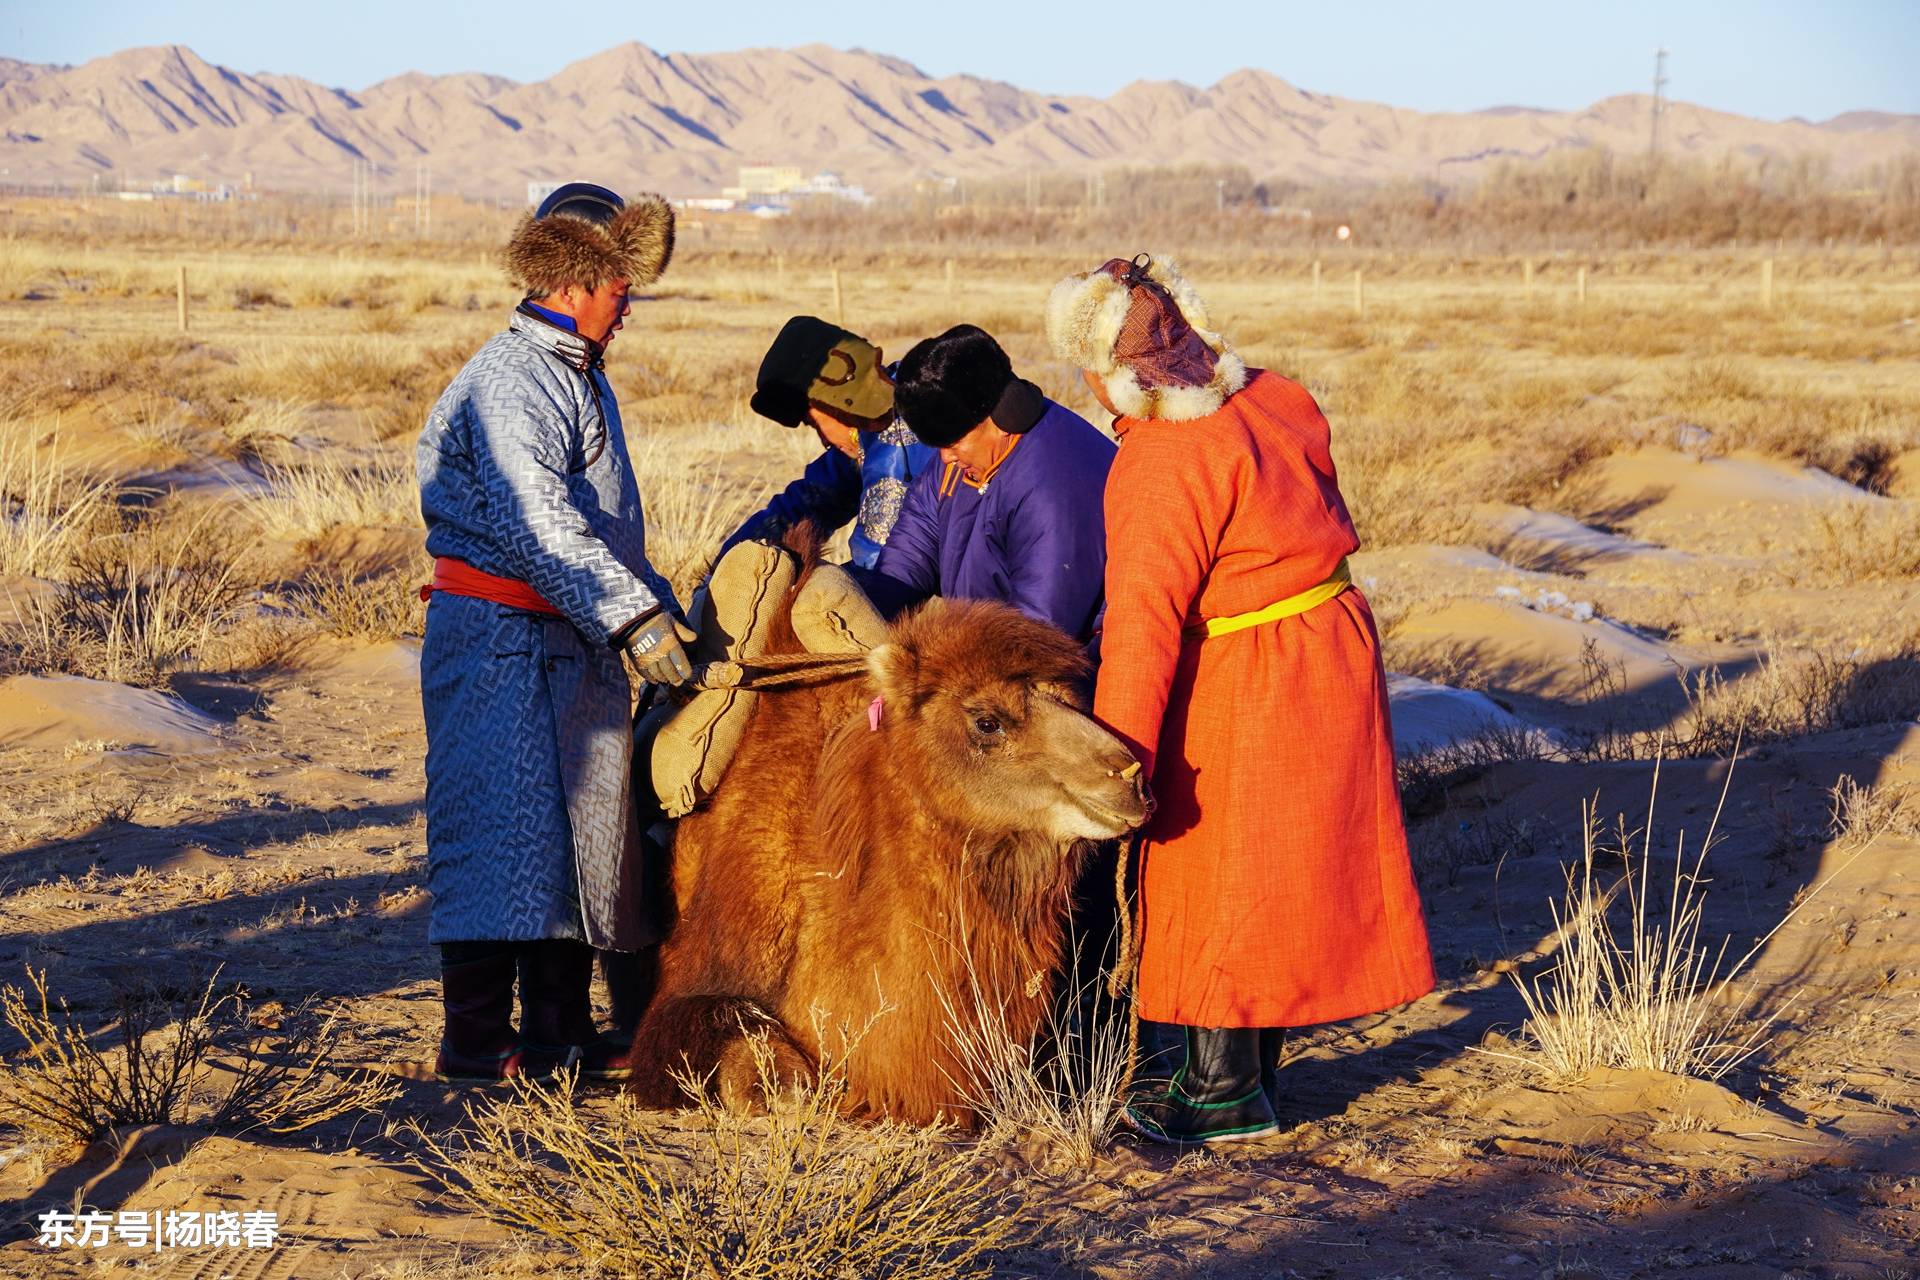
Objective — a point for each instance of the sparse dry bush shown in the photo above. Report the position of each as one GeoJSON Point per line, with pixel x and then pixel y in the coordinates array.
{"type": "Point", "coordinates": [133, 605]}
{"type": "Point", "coordinates": [1859, 814]}
{"type": "Point", "coordinates": [308, 498]}
{"type": "Point", "coordinates": [1426, 777]}
{"type": "Point", "coordinates": [1790, 695]}
{"type": "Point", "coordinates": [352, 605]}
{"type": "Point", "coordinates": [48, 510]}
{"type": "Point", "coordinates": [800, 1192]}
{"type": "Point", "coordinates": [1647, 992]}
{"type": "Point", "coordinates": [201, 1059]}
{"type": "Point", "coordinates": [1861, 542]}
{"type": "Point", "coordinates": [1059, 1098]}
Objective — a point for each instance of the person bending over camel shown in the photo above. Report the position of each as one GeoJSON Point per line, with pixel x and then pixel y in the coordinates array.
{"type": "Point", "coordinates": [541, 584]}
{"type": "Point", "coordinates": [1243, 669]}
{"type": "Point", "coordinates": [1014, 515]}
{"type": "Point", "coordinates": [835, 381]}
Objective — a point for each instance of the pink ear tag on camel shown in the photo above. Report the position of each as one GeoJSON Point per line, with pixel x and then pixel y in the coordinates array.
{"type": "Point", "coordinates": [874, 709]}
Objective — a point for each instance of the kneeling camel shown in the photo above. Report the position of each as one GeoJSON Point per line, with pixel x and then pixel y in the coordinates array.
{"type": "Point", "coordinates": [881, 839]}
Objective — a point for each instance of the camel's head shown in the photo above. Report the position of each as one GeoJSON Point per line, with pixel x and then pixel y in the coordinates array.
{"type": "Point", "coordinates": [984, 709]}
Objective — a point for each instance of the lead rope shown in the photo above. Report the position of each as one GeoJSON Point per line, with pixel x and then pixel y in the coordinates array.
{"type": "Point", "coordinates": [1120, 981]}
{"type": "Point", "coordinates": [776, 671]}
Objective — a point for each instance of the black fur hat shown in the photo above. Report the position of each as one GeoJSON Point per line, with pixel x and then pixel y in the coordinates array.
{"type": "Point", "coordinates": [949, 385]}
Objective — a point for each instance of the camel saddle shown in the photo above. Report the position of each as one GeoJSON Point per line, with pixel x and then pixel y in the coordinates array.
{"type": "Point", "coordinates": [693, 742]}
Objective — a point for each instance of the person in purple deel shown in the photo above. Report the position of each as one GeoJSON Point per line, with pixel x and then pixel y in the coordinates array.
{"type": "Point", "coordinates": [1016, 512]}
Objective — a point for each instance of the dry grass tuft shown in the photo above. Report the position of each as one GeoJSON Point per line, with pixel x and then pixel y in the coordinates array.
{"type": "Point", "coordinates": [307, 499]}
{"type": "Point", "coordinates": [68, 1086]}
{"type": "Point", "coordinates": [1862, 542]}
{"type": "Point", "coordinates": [1858, 815]}
{"type": "Point", "coordinates": [357, 606]}
{"type": "Point", "coordinates": [1066, 1100]}
{"type": "Point", "coordinates": [800, 1192]}
{"type": "Point", "coordinates": [1646, 994]}
{"type": "Point", "coordinates": [48, 512]}
{"type": "Point", "coordinates": [134, 605]}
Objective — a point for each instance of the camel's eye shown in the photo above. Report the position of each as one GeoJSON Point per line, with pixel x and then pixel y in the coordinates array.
{"type": "Point", "coordinates": [986, 726]}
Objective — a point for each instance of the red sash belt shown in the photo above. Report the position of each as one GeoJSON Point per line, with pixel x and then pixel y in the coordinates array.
{"type": "Point", "coordinates": [458, 578]}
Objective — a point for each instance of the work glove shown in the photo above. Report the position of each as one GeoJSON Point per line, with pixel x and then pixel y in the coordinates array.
{"type": "Point", "coordinates": [657, 647]}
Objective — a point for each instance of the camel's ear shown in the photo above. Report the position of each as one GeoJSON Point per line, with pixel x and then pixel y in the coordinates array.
{"type": "Point", "coordinates": [897, 667]}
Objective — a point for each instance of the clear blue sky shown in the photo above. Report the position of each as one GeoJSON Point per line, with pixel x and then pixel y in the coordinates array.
{"type": "Point", "coordinates": [1767, 58]}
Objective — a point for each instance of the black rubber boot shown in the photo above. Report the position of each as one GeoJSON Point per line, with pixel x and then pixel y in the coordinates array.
{"type": "Point", "coordinates": [1214, 1096]}
{"type": "Point", "coordinates": [1273, 1041]}
{"type": "Point", "coordinates": [479, 1044]}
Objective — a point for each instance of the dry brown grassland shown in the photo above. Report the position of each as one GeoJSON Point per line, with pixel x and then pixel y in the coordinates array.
{"type": "Point", "coordinates": [1594, 521]}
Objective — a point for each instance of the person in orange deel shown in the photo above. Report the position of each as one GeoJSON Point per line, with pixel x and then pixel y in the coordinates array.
{"type": "Point", "coordinates": [1242, 667]}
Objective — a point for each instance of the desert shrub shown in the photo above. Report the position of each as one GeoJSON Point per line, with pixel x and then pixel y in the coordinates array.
{"type": "Point", "coordinates": [260, 430]}
{"type": "Point", "coordinates": [133, 605]}
{"type": "Point", "coordinates": [1861, 542]}
{"type": "Point", "coordinates": [798, 1192]}
{"type": "Point", "coordinates": [249, 294]}
{"type": "Point", "coordinates": [305, 499]}
{"type": "Point", "coordinates": [1635, 985]}
{"type": "Point", "coordinates": [1859, 814]}
{"type": "Point", "coordinates": [199, 1059]}
{"type": "Point", "coordinates": [48, 511]}
{"type": "Point", "coordinates": [1427, 777]}
{"type": "Point", "coordinates": [356, 606]}
{"type": "Point", "coordinates": [1061, 1096]}
{"type": "Point", "coordinates": [1792, 695]}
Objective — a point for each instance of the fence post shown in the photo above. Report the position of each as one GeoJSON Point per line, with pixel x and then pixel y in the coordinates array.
{"type": "Point", "coordinates": [950, 276]}
{"type": "Point", "coordinates": [1316, 279]}
{"type": "Point", "coordinates": [1526, 278]}
{"type": "Point", "coordinates": [1359, 294]}
{"type": "Point", "coordinates": [1580, 287]}
{"type": "Point", "coordinates": [1766, 284]}
{"type": "Point", "coordinates": [180, 294]}
{"type": "Point", "coordinates": [839, 312]}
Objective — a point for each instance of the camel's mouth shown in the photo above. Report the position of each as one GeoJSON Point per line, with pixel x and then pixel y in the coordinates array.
{"type": "Point", "coordinates": [1113, 822]}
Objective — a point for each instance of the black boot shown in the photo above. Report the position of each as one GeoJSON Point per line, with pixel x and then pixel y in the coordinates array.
{"type": "Point", "coordinates": [479, 1045]}
{"type": "Point", "coordinates": [1273, 1040]}
{"type": "Point", "coordinates": [556, 1001]}
{"type": "Point", "coordinates": [630, 977]}
{"type": "Point", "coordinates": [1215, 1095]}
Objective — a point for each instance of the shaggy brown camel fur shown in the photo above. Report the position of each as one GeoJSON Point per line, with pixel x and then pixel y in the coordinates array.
{"type": "Point", "coordinates": [845, 874]}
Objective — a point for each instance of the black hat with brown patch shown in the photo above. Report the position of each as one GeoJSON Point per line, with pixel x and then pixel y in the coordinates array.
{"type": "Point", "coordinates": [812, 362]}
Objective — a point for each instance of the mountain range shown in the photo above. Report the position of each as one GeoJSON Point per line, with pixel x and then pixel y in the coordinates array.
{"type": "Point", "coordinates": [684, 124]}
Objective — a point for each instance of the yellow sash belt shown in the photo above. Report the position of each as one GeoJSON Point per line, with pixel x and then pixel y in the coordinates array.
{"type": "Point", "coordinates": [1339, 580]}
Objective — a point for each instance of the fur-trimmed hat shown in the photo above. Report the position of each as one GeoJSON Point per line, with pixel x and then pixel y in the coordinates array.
{"type": "Point", "coordinates": [588, 242]}
{"type": "Point", "coordinates": [1142, 330]}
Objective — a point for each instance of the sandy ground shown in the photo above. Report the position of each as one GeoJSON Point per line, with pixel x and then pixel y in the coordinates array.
{"type": "Point", "coordinates": [272, 824]}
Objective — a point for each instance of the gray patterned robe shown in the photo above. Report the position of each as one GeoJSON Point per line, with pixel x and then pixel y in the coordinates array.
{"type": "Point", "coordinates": [524, 473]}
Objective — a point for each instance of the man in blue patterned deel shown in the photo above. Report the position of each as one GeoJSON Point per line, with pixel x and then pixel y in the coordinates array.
{"type": "Point", "coordinates": [833, 380]}
{"type": "Point", "coordinates": [542, 589]}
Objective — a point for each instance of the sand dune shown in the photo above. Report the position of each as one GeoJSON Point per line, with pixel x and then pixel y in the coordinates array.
{"type": "Point", "coordinates": [51, 711]}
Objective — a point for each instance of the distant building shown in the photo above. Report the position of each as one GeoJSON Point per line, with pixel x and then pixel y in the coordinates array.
{"type": "Point", "coordinates": [781, 185]}
{"type": "Point", "coordinates": [538, 191]}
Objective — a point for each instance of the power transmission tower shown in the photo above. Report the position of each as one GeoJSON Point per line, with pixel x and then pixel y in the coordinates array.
{"type": "Point", "coordinates": [1659, 102]}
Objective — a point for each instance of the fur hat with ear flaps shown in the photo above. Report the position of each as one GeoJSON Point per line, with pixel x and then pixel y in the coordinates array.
{"type": "Point", "coordinates": [564, 247]}
{"type": "Point", "coordinates": [1142, 330]}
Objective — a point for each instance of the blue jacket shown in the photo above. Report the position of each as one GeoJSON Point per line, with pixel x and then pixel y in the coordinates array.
{"type": "Point", "coordinates": [835, 489]}
{"type": "Point", "coordinates": [1033, 535]}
